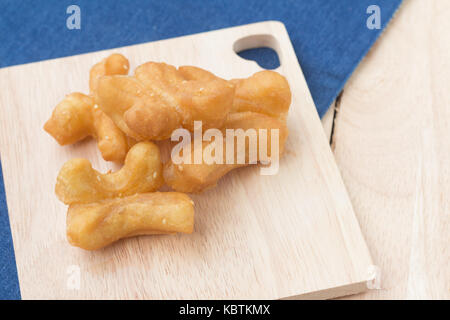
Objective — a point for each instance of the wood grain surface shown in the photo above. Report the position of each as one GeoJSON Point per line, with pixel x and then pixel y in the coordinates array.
{"type": "Point", "coordinates": [291, 235]}
{"type": "Point", "coordinates": [392, 145]}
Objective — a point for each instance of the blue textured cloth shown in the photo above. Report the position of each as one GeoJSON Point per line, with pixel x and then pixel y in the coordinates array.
{"type": "Point", "coordinates": [330, 38]}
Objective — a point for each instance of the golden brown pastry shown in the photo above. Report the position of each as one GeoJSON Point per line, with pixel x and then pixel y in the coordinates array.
{"type": "Point", "coordinates": [96, 225]}
{"type": "Point", "coordinates": [185, 177]}
{"type": "Point", "coordinates": [113, 64]}
{"type": "Point", "coordinates": [160, 98]}
{"type": "Point", "coordinates": [264, 92]}
{"type": "Point", "coordinates": [150, 105]}
{"type": "Point", "coordinates": [77, 117]}
{"type": "Point", "coordinates": [78, 182]}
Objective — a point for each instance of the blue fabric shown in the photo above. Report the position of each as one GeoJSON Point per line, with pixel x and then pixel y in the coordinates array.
{"type": "Point", "coordinates": [330, 38]}
{"type": "Point", "coordinates": [9, 284]}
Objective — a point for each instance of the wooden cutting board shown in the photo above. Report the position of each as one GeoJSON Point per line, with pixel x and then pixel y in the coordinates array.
{"type": "Point", "coordinates": [291, 235]}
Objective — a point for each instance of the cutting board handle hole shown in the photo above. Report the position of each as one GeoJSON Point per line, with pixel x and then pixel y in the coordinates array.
{"type": "Point", "coordinates": [263, 49]}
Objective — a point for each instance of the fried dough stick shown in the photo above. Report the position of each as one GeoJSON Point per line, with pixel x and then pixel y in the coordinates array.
{"type": "Point", "coordinates": [78, 182]}
{"type": "Point", "coordinates": [193, 177]}
{"type": "Point", "coordinates": [115, 64]}
{"type": "Point", "coordinates": [77, 116]}
{"type": "Point", "coordinates": [264, 92]}
{"type": "Point", "coordinates": [160, 98]}
{"type": "Point", "coordinates": [96, 225]}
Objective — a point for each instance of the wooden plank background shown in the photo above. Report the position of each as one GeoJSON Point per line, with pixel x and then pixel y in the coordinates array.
{"type": "Point", "coordinates": [392, 145]}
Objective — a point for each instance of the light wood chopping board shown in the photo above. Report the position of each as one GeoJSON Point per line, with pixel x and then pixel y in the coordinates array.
{"type": "Point", "coordinates": [290, 235]}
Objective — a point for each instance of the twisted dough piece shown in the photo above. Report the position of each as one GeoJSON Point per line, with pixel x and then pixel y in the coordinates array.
{"type": "Point", "coordinates": [115, 64]}
{"type": "Point", "coordinates": [261, 102]}
{"type": "Point", "coordinates": [191, 177]}
{"type": "Point", "coordinates": [160, 98]}
{"type": "Point", "coordinates": [265, 92]}
{"type": "Point", "coordinates": [95, 225]}
{"type": "Point", "coordinates": [77, 116]}
{"type": "Point", "coordinates": [78, 182]}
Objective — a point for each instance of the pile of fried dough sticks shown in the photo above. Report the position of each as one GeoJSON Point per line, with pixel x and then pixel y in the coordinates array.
{"type": "Point", "coordinates": [124, 114]}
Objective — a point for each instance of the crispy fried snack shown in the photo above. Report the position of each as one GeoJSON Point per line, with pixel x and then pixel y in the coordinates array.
{"type": "Point", "coordinates": [77, 117]}
{"type": "Point", "coordinates": [95, 225]}
{"type": "Point", "coordinates": [261, 102]}
{"type": "Point", "coordinates": [264, 92]}
{"type": "Point", "coordinates": [114, 64]}
{"type": "Point", "coordinates": [78, 182]}
{"type": "Point", "coordinates": [198, 177]}
{"type": "Point", "coordinates": [160, 98]}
